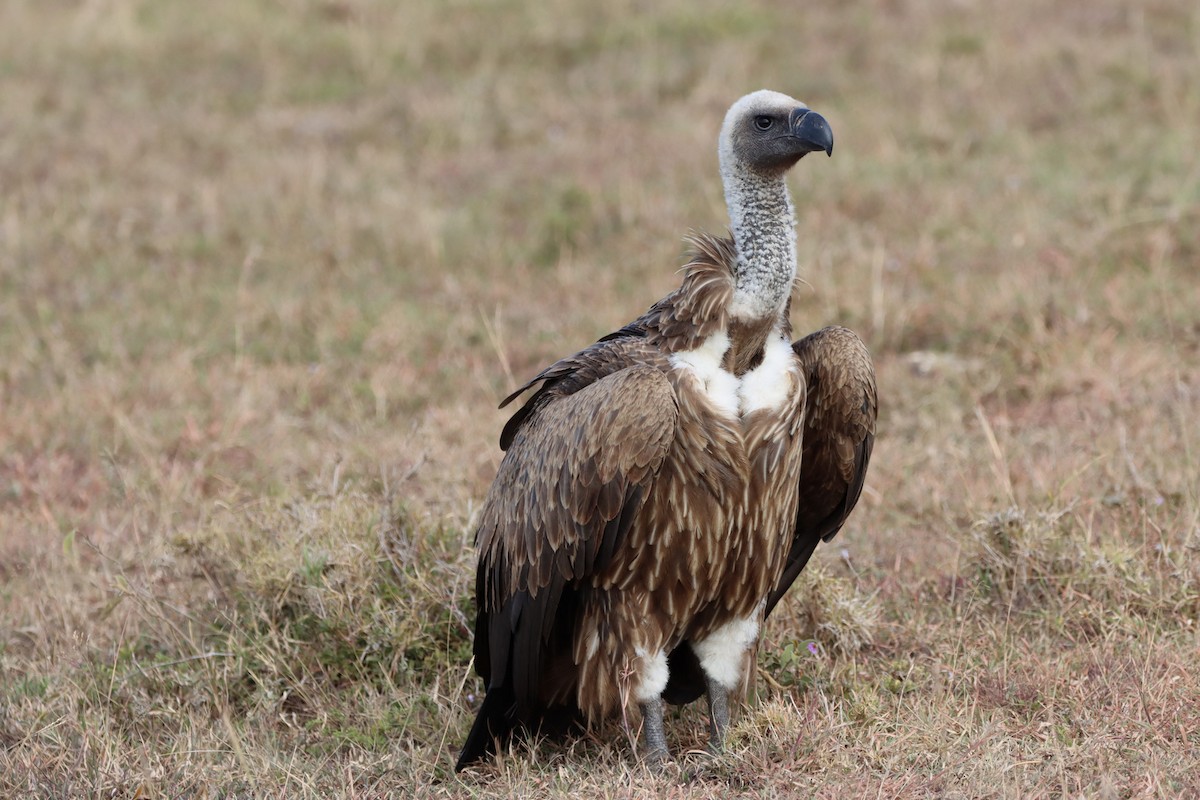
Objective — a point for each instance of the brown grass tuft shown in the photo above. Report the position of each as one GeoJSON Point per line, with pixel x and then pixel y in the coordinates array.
{"type": "Point", "coordinates": [832, 611]}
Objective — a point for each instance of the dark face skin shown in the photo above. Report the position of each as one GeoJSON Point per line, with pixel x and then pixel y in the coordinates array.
{"type": "Point", "coordinates": [772, 141]}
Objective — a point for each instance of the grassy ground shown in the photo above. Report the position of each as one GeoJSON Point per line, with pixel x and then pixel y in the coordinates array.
{"type": "Point", "coordinates": [266, 268]}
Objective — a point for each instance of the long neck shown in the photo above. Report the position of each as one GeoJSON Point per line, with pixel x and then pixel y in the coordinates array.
{"type": "Point", "coordinates": [764, 230]}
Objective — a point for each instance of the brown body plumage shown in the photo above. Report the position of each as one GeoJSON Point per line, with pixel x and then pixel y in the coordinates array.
{"type": "Point", "coordinates": [663, 487]}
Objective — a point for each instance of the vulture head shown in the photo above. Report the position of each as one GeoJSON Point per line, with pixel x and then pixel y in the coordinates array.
{"type": "Point", "coordinates": [768, 132]}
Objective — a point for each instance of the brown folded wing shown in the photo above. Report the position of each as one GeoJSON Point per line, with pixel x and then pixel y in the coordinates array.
{"type": "Point", "coordinates": [839, 433]}
{"type": "Point", "coordinates": [563, 500]}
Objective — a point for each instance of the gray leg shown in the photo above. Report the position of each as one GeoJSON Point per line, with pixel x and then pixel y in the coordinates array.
{"type": "Point", "coordinates": [718, 715]}
{"type": "Point", "coordinates": [652, 725]}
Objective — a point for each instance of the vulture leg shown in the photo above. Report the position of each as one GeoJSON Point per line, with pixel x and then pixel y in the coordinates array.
{"type": "Point", "coordinates": [718, 715]}
{"type": "Point", "coordinates": [656, 739]}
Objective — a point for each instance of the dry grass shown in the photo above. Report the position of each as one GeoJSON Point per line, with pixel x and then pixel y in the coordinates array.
{"type": "Point", "coordinates": [264, 268]}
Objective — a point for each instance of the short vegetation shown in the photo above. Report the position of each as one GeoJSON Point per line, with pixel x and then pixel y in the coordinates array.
{"type": "Point", "coordinates": [266, 269]}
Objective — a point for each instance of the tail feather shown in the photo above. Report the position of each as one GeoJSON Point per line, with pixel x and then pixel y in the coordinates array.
{"type": "Point", "coordinates": [493, 724]}
{"type": "Point", "coordinates": [497, 724]}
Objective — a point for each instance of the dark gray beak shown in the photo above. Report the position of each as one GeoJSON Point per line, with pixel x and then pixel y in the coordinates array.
{"type": "Point", "coordinates": [811, 129]}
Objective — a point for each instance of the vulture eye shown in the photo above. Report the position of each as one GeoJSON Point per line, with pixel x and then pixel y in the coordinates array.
{"type": "Point", "coordinates": [763, 123]}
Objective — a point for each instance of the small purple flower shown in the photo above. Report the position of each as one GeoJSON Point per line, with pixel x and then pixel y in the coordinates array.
{"type": "Point", "coordinates": [812, 648]}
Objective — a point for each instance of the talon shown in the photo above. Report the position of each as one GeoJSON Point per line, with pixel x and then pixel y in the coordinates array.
{"type": "Point", "coordinates": [657, 760]}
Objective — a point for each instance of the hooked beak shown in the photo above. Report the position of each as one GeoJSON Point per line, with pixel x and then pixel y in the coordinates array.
{"type": "Point", "coordinates": [812, 131]}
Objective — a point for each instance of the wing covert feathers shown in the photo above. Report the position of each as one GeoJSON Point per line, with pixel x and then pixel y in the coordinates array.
{"type": "Point", "coordinates": [562, 481]}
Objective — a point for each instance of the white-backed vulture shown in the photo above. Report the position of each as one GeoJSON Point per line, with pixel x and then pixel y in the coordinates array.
{"type": "Point", "coordinates": [663, 488]}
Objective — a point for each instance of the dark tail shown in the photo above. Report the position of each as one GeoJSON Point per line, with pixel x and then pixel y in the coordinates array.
{"type": "Point", "coordinates": [497, 724]}
{"type": "Point", "coordinates": [494, 723]}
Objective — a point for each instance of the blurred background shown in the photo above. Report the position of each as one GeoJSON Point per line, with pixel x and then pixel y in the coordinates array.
{"type": "Point", "coordinates": [266, 269]}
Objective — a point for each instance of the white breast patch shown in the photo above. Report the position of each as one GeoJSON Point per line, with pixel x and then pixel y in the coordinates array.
{"type": "Point", "coordinates": [721, 387]}
{"type": "Point", "coordinates": [766, 387]}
